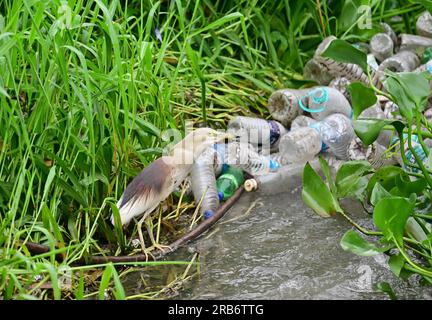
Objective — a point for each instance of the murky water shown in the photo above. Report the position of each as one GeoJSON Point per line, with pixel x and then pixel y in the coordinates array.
{"type": "Point", "coordinates": [280, 249]}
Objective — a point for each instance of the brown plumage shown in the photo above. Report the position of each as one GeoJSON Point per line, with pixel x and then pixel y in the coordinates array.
{"type": "Point", "coordinates": [155, 183]}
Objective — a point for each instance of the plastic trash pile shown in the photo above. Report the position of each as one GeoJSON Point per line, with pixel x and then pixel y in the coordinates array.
{"type": "Point", "coordinates": [311, 121]}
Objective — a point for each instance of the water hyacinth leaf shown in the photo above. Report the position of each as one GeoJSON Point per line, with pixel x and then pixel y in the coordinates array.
{"type": "Point", "coordinates": [409, 91]}
{"type": "Point", "coordinates": [368, 130]}
{"type": "Point", "coordinates": [386, 176]}
{"type": "Point", "coordinates": [416, 87]}
{"type": "Point", "coordinates": [342, 51]}
{"type": "Point", "coordinates": [327, 173]}
{"type": "Point", "coordinates": [353, 242]}
{"type": "Point", "coordinates": [378, 193]}
{"type": "Point", "coordinates": [386, 288]}
{"type": "Point", "coordinates": [396, 264]}
{"type": "Point", "coordinates": [317, 195]}
{"type": "Point", "coordinates": [362, 97]}
{"type": "Point", "coordinates": [349, 175]}
{"type": "Point", "coordinates": [390, 216]}
{"type": "Point", "coordinates": [407, 187]}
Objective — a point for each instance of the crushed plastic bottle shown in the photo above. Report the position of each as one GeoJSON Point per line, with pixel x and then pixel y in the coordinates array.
{"type": "Point", "coordinates": [258, 132]}
{"type": "Point", "coordinates": [348, 70]}
{"type": "Point", "coordinates": [284, 105]}
{"type": "Point", "coordinates": [287, 178]}
{"type": "Point", "coordinates": [229, 182]}
{"type": "Point", "coordinates": [334, 132]}
{"type": "Point", "coordinates": [424, 25]}
{"type": "Point", "coordinates": [381, 46]}
{"type": "Point", "coordinates": [287, 104]}
{"type": "Point", "coordinates": [245, 157]}
{"type": "Point", "coordinates": [390, 32]}
{"type": "Point", "coordinates": [313, 70]}
{"type": "Point", "coordinates": [203, 182]}
{"type": "Point", "coordinates": [414, 43]}
{"type": "Point", "coordinates": [302, 121]}
{"type": "Point", "coordinates": [417, 148]}
{"type": "Point", "coordinates": [403, 61]}
{"type": "Point", "coordinates": [301, 145]}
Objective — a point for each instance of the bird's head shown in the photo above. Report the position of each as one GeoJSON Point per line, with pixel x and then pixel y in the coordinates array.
{"type": "Point", "coordinates": [198, 140]}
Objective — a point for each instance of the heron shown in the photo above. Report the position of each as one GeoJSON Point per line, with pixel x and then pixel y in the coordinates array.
{"type": "Point", "coordinates": [159, 179]}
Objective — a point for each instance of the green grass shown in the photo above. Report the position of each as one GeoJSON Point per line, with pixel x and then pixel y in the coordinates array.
{"type": "Point", "coordinates": [86, 88]}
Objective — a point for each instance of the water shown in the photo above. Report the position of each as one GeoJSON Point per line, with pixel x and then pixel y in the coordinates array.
{"type": "Point", "coordinates": [282, 250]}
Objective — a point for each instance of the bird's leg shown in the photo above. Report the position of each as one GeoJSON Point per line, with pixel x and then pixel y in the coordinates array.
{"type": "Point", "coordinates": [155, 244]}
{"type": "Point", "coordinates": [141, 238]}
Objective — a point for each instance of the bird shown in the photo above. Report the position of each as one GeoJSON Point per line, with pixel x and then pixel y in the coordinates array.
{"type": "Point", "coordinates": [156, 182]}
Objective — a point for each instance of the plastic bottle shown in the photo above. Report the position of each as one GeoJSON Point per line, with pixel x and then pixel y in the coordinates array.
{"type": "Point", "coordinates": [336, 132]}
{"type": "Point", "coordinates": [284, 105]}
{"type": "Point", "coordinates": [348, 70]}
{"type": "Point", "coordinates": [341, 84]}
{"type": "Point", "coordinates": [372, 63]}
{"type": "Point", "coordinates": [403, 61]}
{"type": "Point", "coordinates": [301, 145]}
{"type": "Point", "coordinates": [381, 46]}
{"type": "Point", "coordinates": [245, 157]}
{"type": "Point", "coordinates": [203, 183]}
{"type": "Point", "coordinates": [313, 70]}
{"type": "Point", "coordinates": [412, 42]}
{"type": "Point", "coordinates": [324, 101]}
{"type": "Point", "coordinates": [390, 32]}
{"type": "Point", "coordinates": [302, 121]}
{"type": "Point", "coordinates": [229, 182]}
{"type": "Point", "coordinates": [424, 25]}
{"type": "Point", "coordinates": [287, 178]}
{"type": "Point", "coordinates": [287, 104]}
{"type": "Point", "coordinates": [417, 148]}
{"type": "Point", "coordinates": [258, 132]}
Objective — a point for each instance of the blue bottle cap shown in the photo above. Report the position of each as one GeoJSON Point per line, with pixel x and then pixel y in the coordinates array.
{"type": "Point", "coordinates": [274, 165]}
{"type": "Point", "coordinates": [220, 195]}
{"type": "Point", "coordinates": [208, 214]}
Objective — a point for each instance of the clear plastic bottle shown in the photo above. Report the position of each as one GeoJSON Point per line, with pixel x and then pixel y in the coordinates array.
{"type": "Point", "coordinates": [403, 61]}
{"type": "Point", "coordinates": [284, 105]}
{"type": "Point", "coordinates": [417, 148]}
{"type": "Point", "coordinates": [229, 182]}
{"type": "Point", "coordinates": [341, 84]}
{"type": "Point", "coordinates": [258, 132]}
{"type": "Point", "coordinates": [245, 157]}
{"type": "Point", "coordinates": [424, 25]}
{"type": "Point", "coordinates": [203, 182]}
{"type": "Point", "coordinates": [302, 121]}
{"type": "Point", "coordinates": [381, 46]}
{"type": "Point", "coordinates": [411, 42]}
{"type": "Point", "coordinates": [336, 132]}
{"type": "Point", "coordinates": [313, 70]}
{"type": "Point", "coordinates": [301, 145]}
{"type": "Point", "coordinates": [286, 179]}
{"type": "Point", "coordinates": [324, 101]}
{"type": "Point", "coordinates": [287, 104]}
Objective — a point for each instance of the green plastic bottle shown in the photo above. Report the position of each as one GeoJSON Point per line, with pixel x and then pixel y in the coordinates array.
{"type": "Point", "coordinates": [229, 182]}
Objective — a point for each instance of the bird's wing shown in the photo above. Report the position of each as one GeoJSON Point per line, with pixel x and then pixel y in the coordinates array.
{"type": "Point", "coordinates": [146, 190]}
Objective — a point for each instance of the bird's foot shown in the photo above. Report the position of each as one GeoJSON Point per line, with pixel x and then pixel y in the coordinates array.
{"type": "Point", "coordinates": [161, 247]}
